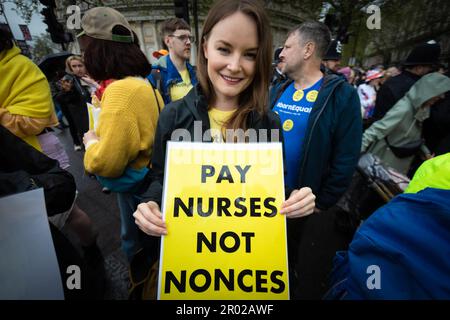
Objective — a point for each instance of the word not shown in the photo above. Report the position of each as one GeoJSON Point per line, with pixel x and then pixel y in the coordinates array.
{"type": "Point", "coordinates": [212, 244]}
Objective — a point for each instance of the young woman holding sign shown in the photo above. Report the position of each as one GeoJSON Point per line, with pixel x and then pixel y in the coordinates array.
{"type": "Point", "coordinates": [233, 69]}
{"type": "Point", "coordinates": [118, 149]}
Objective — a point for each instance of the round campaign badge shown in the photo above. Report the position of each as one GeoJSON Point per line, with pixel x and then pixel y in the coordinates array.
{"type": "Point", "coordinates": [288, 125]}
{"type": "Point", "coordinates": [312, 95]}
{"type": "Point", "coordinates": [298, 95]}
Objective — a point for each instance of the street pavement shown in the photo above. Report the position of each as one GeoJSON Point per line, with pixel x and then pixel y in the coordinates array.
{"type": "Point", "coordinates": [104, 212]}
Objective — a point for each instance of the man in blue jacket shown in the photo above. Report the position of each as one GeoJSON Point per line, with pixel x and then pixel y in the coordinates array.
{"type": "Point", "coordinates": [173, 75]}
{"type": "Point", "coordinates": [322, 130]}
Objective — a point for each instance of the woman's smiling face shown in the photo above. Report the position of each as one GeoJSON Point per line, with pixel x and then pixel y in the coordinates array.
{"type": "Point", "coordinates": [230, 50]}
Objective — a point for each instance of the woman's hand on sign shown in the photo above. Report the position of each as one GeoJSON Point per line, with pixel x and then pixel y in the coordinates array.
{"type": "Point", "coordinates": [299, 204]}
{"type": "Point", "coordinates": [148, 218]}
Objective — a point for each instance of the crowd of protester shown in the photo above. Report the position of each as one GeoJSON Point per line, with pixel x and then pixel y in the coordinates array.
{"type": "Point", "coordinates": [329, 115]}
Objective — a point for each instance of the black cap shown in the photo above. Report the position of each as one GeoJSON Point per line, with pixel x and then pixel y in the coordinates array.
{"type": "Point", "coordinates": [424, 53]}
{"type": "Point", "coordinates": [276, 55]}
{"type": "Point", "coordinates": [334, 51]}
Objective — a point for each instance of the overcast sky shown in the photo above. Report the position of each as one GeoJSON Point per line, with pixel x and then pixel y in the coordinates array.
{"type": "Point", "coordinates": [36, 26]}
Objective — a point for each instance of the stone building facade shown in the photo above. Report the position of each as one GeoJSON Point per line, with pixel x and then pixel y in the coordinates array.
{"type": "Point", "coordinates": [431, 23]}
{"type": "Point", "coordinates": [146, 16]}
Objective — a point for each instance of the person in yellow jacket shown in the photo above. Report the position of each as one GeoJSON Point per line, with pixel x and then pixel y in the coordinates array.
{"type": "Point", "coordinates": [26, 106]}
{"type": "Point", "coordinates": [26, 109]}
{"type": "Point", "coordinates": [433, 173]}
{"type": "Point", "coordinates": [118, 150]}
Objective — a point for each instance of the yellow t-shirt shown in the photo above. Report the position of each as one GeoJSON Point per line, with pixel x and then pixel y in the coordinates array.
{"type": "Point", "coordinates": [217, 119]}
{"type": "Point", "coordinates": [179, 90]}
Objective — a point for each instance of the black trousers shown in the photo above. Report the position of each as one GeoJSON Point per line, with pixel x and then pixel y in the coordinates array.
{"type": "Point", "coordinates": [312, 244]}
{"type": "Point", "coordinates": [78, 119]}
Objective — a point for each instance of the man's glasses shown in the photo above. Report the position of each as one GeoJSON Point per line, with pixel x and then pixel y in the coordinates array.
{"type": "Point", "coordinates": [183, 37]}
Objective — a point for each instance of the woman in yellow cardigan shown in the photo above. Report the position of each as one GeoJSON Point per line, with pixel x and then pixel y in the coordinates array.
{"type": "Point", "coordinates": [118, 151]}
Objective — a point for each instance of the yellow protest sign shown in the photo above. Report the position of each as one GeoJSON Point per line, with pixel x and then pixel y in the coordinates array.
{"type": "Point", "coordinates": [94, 114]}
{"type": "Point", "coordinates": [226, 239]}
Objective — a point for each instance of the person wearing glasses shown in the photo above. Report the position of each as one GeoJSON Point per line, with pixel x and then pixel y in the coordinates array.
{"type": "Point", "coordinates": [172, 74]}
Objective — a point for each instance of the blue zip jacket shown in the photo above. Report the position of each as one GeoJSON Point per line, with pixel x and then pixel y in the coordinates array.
{"type": "Point", "coordinates": [169, 75]}
{"type": "Point", "coordinates": [332, 141]}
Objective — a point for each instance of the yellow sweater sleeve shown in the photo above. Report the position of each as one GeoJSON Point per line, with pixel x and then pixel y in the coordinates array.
{"type": "Point", "coordinates": [126, 129]}
{"type": "Point", "coordinates": [23, 126]}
